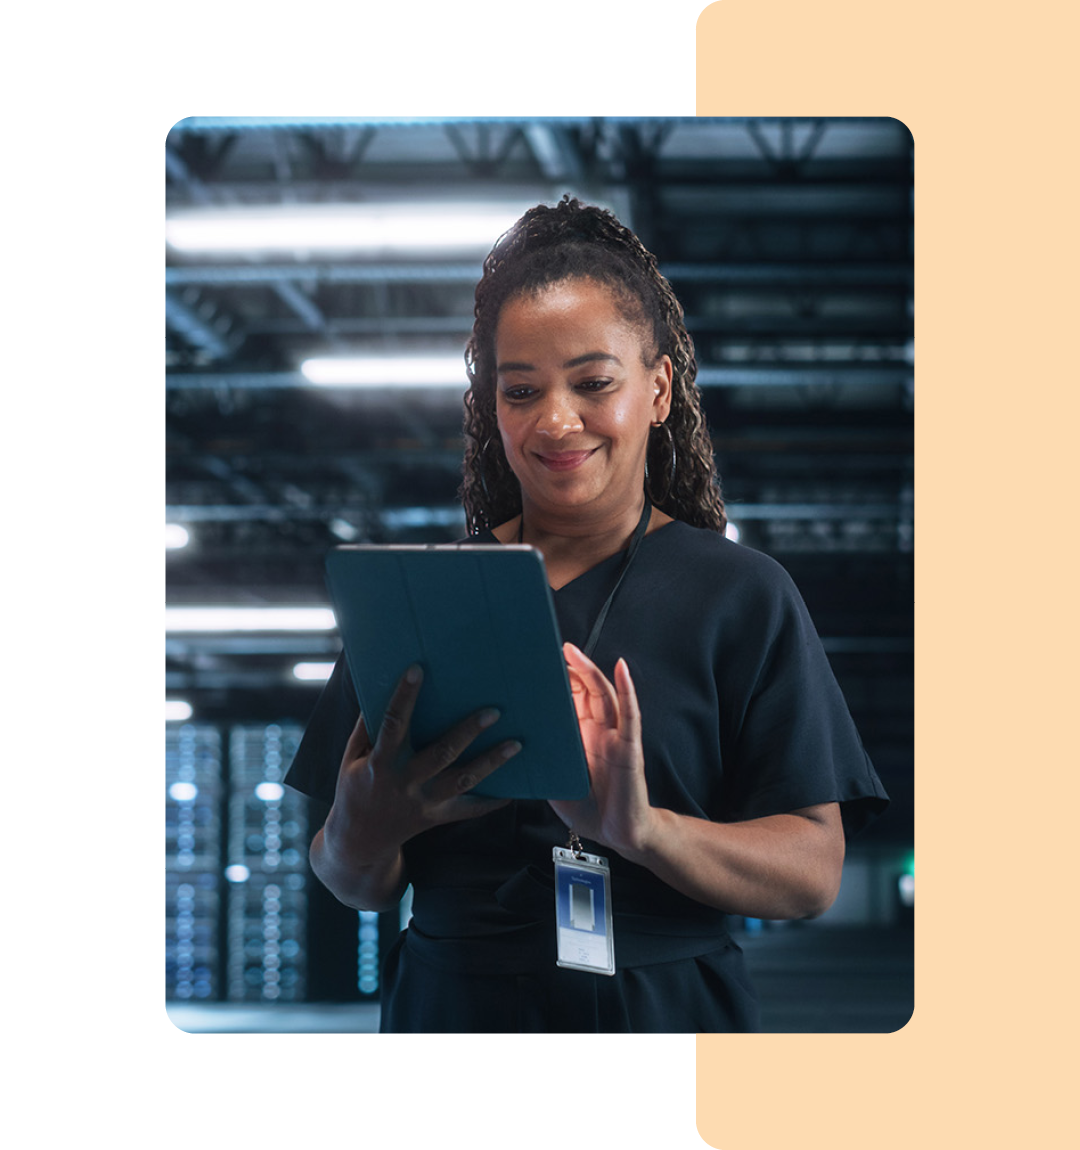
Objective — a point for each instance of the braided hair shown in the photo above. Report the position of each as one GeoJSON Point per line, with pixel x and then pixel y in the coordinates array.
{"type": "Point", "coordinates": [547, 246]}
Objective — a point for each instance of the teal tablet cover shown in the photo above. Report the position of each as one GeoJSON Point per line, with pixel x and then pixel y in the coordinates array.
{"type": "Point", "coordinates": [480, 620]}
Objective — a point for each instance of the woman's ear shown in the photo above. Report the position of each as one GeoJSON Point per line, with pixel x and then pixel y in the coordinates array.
{"type": "Point", "coordinates": [662, 377]}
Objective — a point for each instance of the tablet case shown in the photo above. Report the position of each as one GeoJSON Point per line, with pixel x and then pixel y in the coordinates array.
{"type": "Point", "coordinates": [480, 620]}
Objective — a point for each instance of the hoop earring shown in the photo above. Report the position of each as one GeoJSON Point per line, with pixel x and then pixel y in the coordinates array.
{"type": "Point", "coordinates": [658, 500]}
{"type": "Point", "coordinates": [481, 468]}
{"type": "Point", "coordinates": [501, 481]}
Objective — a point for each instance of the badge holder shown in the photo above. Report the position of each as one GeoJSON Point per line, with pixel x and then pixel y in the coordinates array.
{"type": "Point", "coordinates": [583, 909]}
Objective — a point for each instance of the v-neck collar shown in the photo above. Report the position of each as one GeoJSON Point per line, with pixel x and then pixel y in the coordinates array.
{"type": "Point", "coordinates": [488, 536]}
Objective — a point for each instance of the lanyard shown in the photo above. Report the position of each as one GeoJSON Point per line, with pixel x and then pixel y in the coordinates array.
{"type": "Point", "coordinates": [583, 915]}
{"type": "Point", "coordinates": [628, 558]}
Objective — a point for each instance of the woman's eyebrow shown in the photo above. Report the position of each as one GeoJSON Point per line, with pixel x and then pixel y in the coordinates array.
{"type": "Point", "coordinates": [577, 361]}
{"type": "Point", "coordinates": [593, 357]}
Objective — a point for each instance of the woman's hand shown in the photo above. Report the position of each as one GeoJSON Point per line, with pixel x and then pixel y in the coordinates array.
{"type": "Point", "coordinates": [780, 866]}
{"type": "Point", "coordinates": [387, 793]}
{"type": "Point", "coordinates": [617, 812]}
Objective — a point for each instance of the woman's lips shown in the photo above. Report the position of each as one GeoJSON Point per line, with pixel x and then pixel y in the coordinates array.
{"type": "Point", "coordinates": [564, 460]}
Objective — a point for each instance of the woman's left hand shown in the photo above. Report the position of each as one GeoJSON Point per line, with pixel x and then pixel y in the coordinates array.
{"type": "Point", "coordinates": [778, 866]}
{"type": "Point", "coordinates": [617, 812]}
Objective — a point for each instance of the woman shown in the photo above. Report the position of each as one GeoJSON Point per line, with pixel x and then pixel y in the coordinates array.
{"type": "Point", "coordinates": [725, 770]}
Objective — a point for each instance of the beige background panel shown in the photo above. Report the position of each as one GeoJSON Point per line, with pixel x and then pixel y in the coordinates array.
{"type": "Point", "coordinates": [987, 1059]}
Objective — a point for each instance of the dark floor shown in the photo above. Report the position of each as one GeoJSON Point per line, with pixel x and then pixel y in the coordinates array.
{"type": "Point", "coordinates": [811, 980]}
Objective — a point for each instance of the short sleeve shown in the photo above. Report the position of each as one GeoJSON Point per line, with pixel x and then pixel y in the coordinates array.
{"type": "Point", "coordinates": [315, 765]}
{"type": "Point", "coordinates": [794, 743]}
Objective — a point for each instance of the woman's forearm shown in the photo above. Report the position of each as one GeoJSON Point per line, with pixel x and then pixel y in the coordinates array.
{"type": "Point", "coordinates": [365, 884]}
{"type": "Point", "coordinates": [779, 867]}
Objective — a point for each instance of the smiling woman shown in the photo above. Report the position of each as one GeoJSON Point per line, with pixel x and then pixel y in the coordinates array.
{"type": "Point", "coordinates": [725, 771]}
{"type": "Point", "coordinates": [578, 389]}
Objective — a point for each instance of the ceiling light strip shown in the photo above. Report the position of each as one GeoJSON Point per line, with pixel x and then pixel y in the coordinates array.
{"type": "Point", "coordinates": [234, 619]}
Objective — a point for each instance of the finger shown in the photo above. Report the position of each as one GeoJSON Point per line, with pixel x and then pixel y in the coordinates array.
{"type": "Point", "coordinates": [359, 743]}
{"type": "Point", "coordinates": [592, 704]}
{"type": "Point", "coordinates": [451, 784]}
{"type": "Point", "coordinates": [629, 708]}
{"type": "Point", "coordinates": [444, 752]}
{"type": "Point", "coordinates": [394, 731]}
{"type": "Point", "coordinates": [603, 702]}
{"type": "Point", "coordinates": [579, 691]}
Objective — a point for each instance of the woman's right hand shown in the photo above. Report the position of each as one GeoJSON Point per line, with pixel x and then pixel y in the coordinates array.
{"type": "Point", "coordinates": [387, 792]}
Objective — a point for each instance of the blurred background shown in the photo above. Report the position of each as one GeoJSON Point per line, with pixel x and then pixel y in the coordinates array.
{"type": "Point", "coordinates": [319, 286]}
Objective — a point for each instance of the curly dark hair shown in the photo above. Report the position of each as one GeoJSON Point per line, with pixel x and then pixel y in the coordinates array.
{"type": "Point", "coordinates": [550, 245]}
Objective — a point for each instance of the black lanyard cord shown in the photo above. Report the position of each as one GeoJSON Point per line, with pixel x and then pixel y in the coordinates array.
{"type": "Point", "coordinates": [628, 558]}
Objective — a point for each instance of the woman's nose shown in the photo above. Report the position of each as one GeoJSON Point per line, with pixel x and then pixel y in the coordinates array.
{"type": "Point", "coordinates": [558, 417]}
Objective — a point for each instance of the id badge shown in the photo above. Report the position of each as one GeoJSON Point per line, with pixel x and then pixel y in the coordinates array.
{"type": "Point", "coordinates": [583, 911]}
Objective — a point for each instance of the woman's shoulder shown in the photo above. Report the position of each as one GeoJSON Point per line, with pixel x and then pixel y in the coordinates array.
{"type": "Point", "coordinates": [700, 554]}
{"type": "Point", "coordinates": [728, 588]}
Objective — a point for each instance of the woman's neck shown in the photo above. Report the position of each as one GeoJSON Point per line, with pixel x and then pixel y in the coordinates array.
{"type": "Point", "coordinates": [574, 544]}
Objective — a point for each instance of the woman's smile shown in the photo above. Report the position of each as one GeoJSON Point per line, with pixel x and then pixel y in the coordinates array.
{"type": "Point", "coordinates": [565, 460]}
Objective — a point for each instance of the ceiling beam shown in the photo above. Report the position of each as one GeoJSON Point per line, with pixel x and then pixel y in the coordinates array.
{"type": "Point", "coordinates": [555, 151]}
{"type": "Point", "coordinates": [188, 321]}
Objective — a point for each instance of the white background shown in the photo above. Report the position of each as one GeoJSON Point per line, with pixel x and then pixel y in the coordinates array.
{"type": "Point", "coordinates": [91, 91]}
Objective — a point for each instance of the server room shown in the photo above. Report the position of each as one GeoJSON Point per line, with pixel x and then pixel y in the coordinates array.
{"type": "Point", "coordinates": [319, 297]}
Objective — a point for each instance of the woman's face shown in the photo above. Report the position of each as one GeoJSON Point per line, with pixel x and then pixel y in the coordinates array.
{"type": "Point", "coordinates": [574, 398]}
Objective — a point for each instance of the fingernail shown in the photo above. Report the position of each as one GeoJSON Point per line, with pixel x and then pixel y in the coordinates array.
{"type": "Point", "coordinates": [413, 674]}
{"type": "Point", "coordinates": [508, 750]}
{"type": "Point", "coordinates": [488, 717]}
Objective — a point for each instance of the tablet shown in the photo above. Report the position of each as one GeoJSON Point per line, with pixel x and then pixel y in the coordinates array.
{"type": "Point", "coordinates": [480, 621]}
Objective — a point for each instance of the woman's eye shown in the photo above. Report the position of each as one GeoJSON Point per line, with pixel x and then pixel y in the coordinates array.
{"type": "Point", "coordinates": [593, 384]}
{"type": "Point", "coordinates": [516, 394]}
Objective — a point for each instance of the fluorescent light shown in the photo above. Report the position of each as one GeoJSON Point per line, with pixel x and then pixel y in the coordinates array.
{"type": "Point", "coordinates": [372, 228]}
{"type": "Point", "coordinates": [183, 792]}
{"type": "Point", "coordinates": [219, 619]}
{"type": "Point", "coordinates": [313, 672]}
{"type": "Point", "coordinates": [175, 536]}
{"type": "Point", "coordinates": [387, 371]}
{"type": "Point", "coordinates": [731, 531]}
{"type": "Point", "coordinates": [343, 529]}
{"type": "Point", "coordinates": [403, 518]}
{"type": "Point", "coordinates": [176, 710]}
{"type": "Point", "coordinates": [269, 792]}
